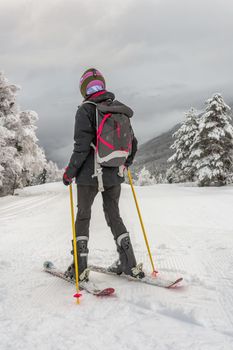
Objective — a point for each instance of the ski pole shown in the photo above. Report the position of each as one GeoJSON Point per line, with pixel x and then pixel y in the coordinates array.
{"type": "Point", "coordinates": [154, 272]}
{"type": "Point", "coordinates": [75, 245]}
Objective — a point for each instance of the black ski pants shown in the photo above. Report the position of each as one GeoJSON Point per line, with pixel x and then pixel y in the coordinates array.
{"type": "Point", "coordinates": [111, 196]}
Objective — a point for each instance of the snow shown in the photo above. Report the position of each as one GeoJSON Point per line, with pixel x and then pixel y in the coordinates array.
{"type": "Point", "coordinates": [190, 233]}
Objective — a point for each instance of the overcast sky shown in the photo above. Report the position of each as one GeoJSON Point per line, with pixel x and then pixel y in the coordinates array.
{"type": "Point", "coordinates": [159, 56]}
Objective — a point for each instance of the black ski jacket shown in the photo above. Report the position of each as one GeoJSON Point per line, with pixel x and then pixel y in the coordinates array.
{"type": "Point", "coordinates": [81, 163]}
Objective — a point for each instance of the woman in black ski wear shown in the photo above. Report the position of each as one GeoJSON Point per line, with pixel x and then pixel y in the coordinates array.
{"type": "Point", "coordinates": [81, 166]}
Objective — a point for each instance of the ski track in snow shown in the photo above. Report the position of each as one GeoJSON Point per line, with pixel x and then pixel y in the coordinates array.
{"type": "Point", "coordinates": [190, 233]}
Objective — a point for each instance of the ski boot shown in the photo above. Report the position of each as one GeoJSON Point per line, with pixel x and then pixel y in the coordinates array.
{"type": "Point", "coordinates": [82, 252]}
{"type": "Point", "coordinates": [70, 272]}
{"type": "Point", "coordinates": [127, 262]}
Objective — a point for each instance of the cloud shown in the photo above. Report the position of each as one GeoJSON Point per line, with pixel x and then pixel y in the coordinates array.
{"type": "Point", "coordinates": [159, 56]}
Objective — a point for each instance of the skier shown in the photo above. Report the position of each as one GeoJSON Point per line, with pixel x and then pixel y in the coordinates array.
{"type": "Point", "coordinates": [83, 165]}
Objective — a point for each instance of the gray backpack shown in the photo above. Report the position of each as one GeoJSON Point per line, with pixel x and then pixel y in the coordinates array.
{"type": "Point", "coordinates": [114, 137]}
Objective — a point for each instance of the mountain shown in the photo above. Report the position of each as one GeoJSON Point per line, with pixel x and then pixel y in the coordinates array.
{"type": "Point", "coordinates": [154, 153]}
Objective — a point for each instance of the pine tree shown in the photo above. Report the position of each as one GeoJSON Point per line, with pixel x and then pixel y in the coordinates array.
{"type": "Point", "coordinates": [211, 151]}
{"type": "Point", "coordinates": [182, 169]}
{"type": "Point", "coordinates": [41, 179]}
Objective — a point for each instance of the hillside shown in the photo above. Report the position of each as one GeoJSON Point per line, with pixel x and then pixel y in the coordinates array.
{"type": "Point", "coordinates": [154, 153]}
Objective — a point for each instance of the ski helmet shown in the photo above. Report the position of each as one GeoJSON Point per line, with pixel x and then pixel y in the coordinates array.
{"type": "Point", "coordinates": [91, 81]}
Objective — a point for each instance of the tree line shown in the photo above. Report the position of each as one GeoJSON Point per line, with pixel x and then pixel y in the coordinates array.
{"type": "Point", "coordinates": [203, 146]}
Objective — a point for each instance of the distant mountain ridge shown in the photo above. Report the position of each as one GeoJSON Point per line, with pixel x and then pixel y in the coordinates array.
{"type": "Point", "coordinates": [154, 153]}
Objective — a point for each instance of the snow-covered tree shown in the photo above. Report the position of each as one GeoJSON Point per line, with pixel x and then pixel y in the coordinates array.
{"type": "Point", "coordinates": [229, 179]}
{"type": "Point", "coordinates": [145, 178]}
{"type": "Point", "coordinates": [182, 169]}
{"type": "Point", "coordinates": [211, 151]}
{"type": "Point", "coordinates": [10, 165]}
{"type": "Point", "coordinates": [230, 175]}
{"type": "Point", "coordinates": [52, 172]}
{"type": "Point", "coordinates": [21, 158]}
{"type": "Point", "coordinates": [31, 155]}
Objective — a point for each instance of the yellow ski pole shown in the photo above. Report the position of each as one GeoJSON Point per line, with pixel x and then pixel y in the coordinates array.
{"type": "Point", "coordinates": [141, 222]}
{"type": "Point", "coordinates": [77, 295]}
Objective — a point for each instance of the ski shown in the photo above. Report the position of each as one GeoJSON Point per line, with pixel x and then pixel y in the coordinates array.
{"type": "Point", "coordinates": [154, 281]}
{"type": "Point", "coordinates": [89, 287]}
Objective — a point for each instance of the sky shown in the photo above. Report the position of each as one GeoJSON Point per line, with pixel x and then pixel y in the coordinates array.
{"type": "Point", "coordinates": [160, 57]}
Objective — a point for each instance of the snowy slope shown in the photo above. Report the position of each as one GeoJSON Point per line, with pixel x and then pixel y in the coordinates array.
{"type": "Point", "coordinates": [191, 234]}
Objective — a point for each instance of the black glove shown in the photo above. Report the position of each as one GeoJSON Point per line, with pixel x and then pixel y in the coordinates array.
{"type": "Point", "coordinates": [66, 179]}
{"type": "Point", "coordinates": [128, 163]}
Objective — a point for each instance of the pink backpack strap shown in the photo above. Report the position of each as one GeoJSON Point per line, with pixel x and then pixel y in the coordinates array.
{"type": "Point", "coordinates": [99, 131]}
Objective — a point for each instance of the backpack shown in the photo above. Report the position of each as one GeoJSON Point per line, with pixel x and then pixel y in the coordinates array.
{"type": "Point", "coordinates": [114, 137]}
